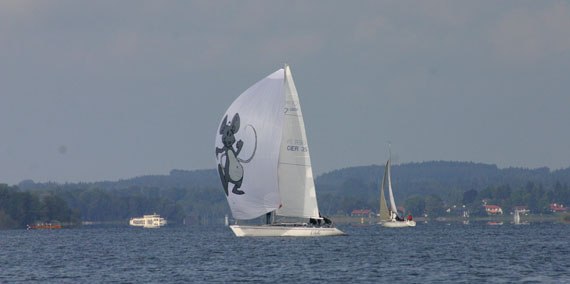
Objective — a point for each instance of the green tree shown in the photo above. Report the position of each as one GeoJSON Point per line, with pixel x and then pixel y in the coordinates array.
{"type": "Point", "coordinates": [416, 205]}
{"type": "Point", "coordinates": [434, 205]}
{"type": "Point", "coordinates": [469, 196]}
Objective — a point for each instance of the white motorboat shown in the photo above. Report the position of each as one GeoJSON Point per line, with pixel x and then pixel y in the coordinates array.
{"type": "Point", "coordinates": [148, 221]}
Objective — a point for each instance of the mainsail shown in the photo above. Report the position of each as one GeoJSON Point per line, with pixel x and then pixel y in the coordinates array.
{"type": "Point", "coordinates": [296, 184]}
{"type": "Point", "coordinates": [393, 207]}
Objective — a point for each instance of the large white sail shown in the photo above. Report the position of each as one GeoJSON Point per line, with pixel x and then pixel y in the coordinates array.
{"type": "Point", "coordinates": [247, 148]}
{"type": "Point", "coordinates": [392, 202]}
{"type": "Point", "coordinates": [296, 183]}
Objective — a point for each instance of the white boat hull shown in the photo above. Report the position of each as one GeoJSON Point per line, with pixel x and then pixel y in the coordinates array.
{"type": "Point", "coordinates": [284, 231]}
{"type": "Point", "coordinates": [148, 221]}
{"type": "Point", "coordinates": [399, 224]}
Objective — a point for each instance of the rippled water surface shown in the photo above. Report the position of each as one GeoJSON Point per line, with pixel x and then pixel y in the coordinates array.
{"type": "Point", "coordinates": [435, 252]}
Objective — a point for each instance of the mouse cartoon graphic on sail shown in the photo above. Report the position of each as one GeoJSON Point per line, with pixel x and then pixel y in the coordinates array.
{"type": "Point", "coordinates": [230, 165]}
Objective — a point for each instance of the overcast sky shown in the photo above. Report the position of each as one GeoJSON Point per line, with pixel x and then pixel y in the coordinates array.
{"type": "Point", "coordinates": [107, 90]}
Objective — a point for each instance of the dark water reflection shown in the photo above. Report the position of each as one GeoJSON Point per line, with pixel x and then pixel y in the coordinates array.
{"type": "Point", "coordinates": [455, 253]}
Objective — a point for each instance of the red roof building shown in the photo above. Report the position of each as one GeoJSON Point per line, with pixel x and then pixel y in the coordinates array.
{"type": "Point", "coordinates": [493, 210]}
{"type": "Point", "coordinates": [557, 207]}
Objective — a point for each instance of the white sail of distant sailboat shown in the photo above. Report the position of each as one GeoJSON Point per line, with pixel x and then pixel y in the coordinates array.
{"type": "Point", "coordinates": [517, 216]}
{"type": "Point", "coordinates": [264, 164]}
{"type": "Point", "coordinates": [393, 207]}
{"type": "Point", "coordinates": [384, 212]}
{"type": "Point", "coordinates": [389, 216]}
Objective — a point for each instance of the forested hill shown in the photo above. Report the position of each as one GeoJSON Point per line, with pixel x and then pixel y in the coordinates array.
{"type": "Point", "coordinates": [175, 179]}
{"type": "Point", "coordinates": [411, 178]}
{"type": "Point", "coordinates": [436, 177]}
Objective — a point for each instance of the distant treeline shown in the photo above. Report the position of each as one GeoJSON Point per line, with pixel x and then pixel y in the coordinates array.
{"type": "Point", "coordinates": [196, 196]}
{"type": "Point", "coordinates": [18, 209]}
{"type": "Point", "coordinates": [94, 203]}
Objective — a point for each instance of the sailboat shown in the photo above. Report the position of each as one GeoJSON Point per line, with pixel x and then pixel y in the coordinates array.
{"type": "Point", "coordinates": [264, 164]}
{"type": "Point", "coordinates": [389, 215]}
{"type": "Point", "coordinates": [517, 216]}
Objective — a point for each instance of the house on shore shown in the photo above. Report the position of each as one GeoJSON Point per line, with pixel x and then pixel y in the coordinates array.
{"type": "Point", "coordinates": [493, 210]}
{"type": "Point", "coordinates": [557, 207]}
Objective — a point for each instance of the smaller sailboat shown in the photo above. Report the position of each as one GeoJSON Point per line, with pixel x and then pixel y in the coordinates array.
{"type": "Point", "coordinates": [389, 215]}
{"type": "Point", "coordinates": [517, 216]}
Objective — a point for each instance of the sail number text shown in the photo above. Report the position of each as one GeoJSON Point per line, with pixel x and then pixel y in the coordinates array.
{"type": "Point", "coordinates": [297, 148]}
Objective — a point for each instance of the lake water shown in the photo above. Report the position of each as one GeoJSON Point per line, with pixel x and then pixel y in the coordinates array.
{"type": "Point", "coordinates": [434, 252]}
